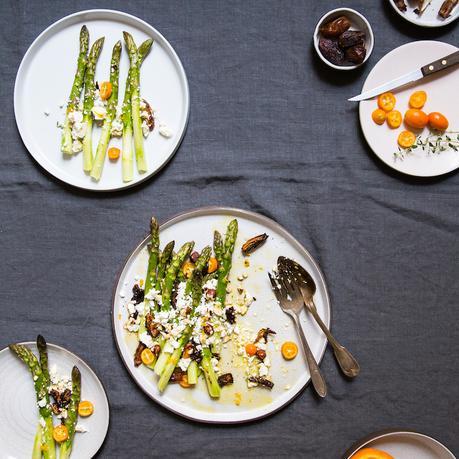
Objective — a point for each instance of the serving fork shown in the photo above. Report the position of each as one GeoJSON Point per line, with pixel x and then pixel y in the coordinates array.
{"type": "Point", "coordinates": [307, 287]}
{"type": "Point", "coordinates": [291, 302]}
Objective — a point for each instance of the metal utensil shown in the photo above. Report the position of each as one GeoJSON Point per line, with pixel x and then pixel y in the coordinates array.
{"type": "Point", "coordinates": [291, 302]}
{"type": "Point", "coordinates": [307, 286]}
{"type": "Point", "coordinates": [418, 74]}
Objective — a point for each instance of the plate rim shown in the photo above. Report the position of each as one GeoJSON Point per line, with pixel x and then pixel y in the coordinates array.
{"type": "Point", "coordinates": [193, 213]}
{"type": "Point", "coordinates": [387, 163]}
{"type": "Point", "coordinates": [76, 356]}
{"type": "Point", "coordinates": [183, 79]}
{"type": "Point", "coordinates": [359, 444]}
{"type": "Point", "coordinates": [444, 23]}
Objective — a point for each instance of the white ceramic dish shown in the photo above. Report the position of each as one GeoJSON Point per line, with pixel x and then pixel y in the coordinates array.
{"type": "Point", "coordinates": [19, 414]}
{"type": "Point", "coordinates": [289, 377]}
{"type": "Point", "coordinates": [45, 77]}
{"type": "Point", "coordinates": [404, 444]}
{"type": "Point", "coordinates": [358, 22]}
{"type": "Point", "coordinates": [429, 18]}
{"type": "Point", "coordinates": [442, 96]}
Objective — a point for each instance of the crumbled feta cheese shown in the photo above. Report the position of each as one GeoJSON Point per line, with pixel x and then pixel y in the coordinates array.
{"type": "Point", "coordinates": [146, 339]}
{"type": "Point", "coordinates": [79, 130]}
{"type": "Point", "coordinates": [184, 364]}
{"type": "Point", "coordinates": [145, 129]}
{"type": "Point", "coordinates": [75, 116]}
{"type": "Point", "coordinates": [77, 146]}
{"type": "Point", "coordinates": [80, 429]}
{"type": "Point", "coordinates": [168, 348]}
{"type": "Point", "coordinates": [122, 293]}
{"type": "Point", "coordinates": [140, 308]}
{"type": "Point", "coordinates": [165, 131]}
{"type": "Point", "coordinates": [117, 128]}
{"type": "Point", "coordinates": [42, 402]}
{"type": "Point", "coordinates": [99, 112]}
{"type": "Point", "coordinates": [263, 370]}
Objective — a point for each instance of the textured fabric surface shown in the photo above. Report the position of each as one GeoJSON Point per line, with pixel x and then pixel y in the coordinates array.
{"type": "Point", "coordinates": [269, 131]}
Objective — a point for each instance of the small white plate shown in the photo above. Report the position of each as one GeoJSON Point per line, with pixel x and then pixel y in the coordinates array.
{"type": "Point", "coordinates": [442, 96]}
{"type": "Point", "coordinates": [45, 77]}
{"type": "Point", "coordinates": [404, 445]}
{"type": "Point", "coordinates": [19, 414]}
{"type": "Point", "coordinates": [429, 18]}
{"type": "Point", "coordinates": [289, 378]}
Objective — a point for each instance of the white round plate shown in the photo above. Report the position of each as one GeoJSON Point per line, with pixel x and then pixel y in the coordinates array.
{"type": "Point", "coordinates": [404, 445]}
{"type": "Point", "coordinates": [19, 415]}
{"type": "Point", "coordinates": [429, 18]}
{"type": "Point", "coordinates": [442, 96]}
{"type": "Point", "coordinates": [45, 77]}
{"type": "Point", "coordinates": [289, 377]}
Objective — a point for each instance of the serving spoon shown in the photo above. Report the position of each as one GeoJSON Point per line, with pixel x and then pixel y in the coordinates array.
{"type": "Point", "coordinates": [307, 286]}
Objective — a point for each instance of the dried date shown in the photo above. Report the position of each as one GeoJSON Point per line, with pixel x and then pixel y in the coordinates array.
{"type": "Point", "coordinates": [351, 38]}
{"type": "Point", "coordinates": [336, 27]}
{"type": "Point", "coordinates": [331, 51]}
{"type": "Point", "coordinates": [356, 54]}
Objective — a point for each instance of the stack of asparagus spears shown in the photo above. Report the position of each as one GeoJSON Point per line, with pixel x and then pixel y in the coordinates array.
{"type": "Point", "coordinates": [44, 444]}
{"type": "Point", "coordinates": [182, 312]}
{"type": "Point", "coordinates": [79, 118]}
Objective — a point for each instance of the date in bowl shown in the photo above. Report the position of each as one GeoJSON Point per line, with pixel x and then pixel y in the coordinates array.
{"type": "Point", "coordinates": [343, 57]}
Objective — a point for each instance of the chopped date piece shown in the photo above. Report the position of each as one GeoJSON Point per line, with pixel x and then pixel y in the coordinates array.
{"type": "Point", "coordinates": [137, 294]}
{"type": "Point", "coordinates": [230, 314]}
{"type": "Point", "coordinates": [446, 8]}
{"type": "Point", "coordinates": [156, 349]}
{"type": "Point", "coordinates": [151, 327]}
{"type": "Point", "coordinates": [216, 355]}
{"type": "Point", "coordinates": [400, 4]}
{"type": "Point", "coordinates": [262, 381]}
{"type": "Point", "coordinates": [211, 293]}
{"type": "Point", "coordinates": [225, 380]}
{"type": "Point", "coordinates": [62, 399]}
{"type": "Point", "coordinates": [194, 256]}
{"type": "Point", "coordinates": [261, 354]}
{"type": "Point", "coordinates": [351, 38]}
{"type": "Point", "coordinates": [331, 51]}
{"type": "Point", "coordinates": [208, 329]}
{"type": "Point", "coordinates": [264, 334]}
{"type": "Point", "coordinates": [356, 54]}
{"type": "Point", "coordinates": [149, 118]}
{"type": "Point", "coordinates": [137, 355]}
{"type": "Point", "coordinates": [177, 375]}
{"type": "Point", "coordinates": [336, 27]}
{"type": "Point", "coordinates": [55, 408]}
{"type": "Point", "coordinates": [253, 243]}
{"type": "Point", "coordinates": [196, 355]}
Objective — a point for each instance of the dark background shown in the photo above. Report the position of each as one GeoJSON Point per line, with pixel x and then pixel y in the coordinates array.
{"type": "Point", "coordinates": [270, 131]}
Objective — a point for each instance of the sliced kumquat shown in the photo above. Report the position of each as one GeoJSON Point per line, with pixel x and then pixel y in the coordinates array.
{"type": "Point", "coordinates": [417, 99]}
{"type": "Point", "coordinates": [379, 116]}
{"type": "Point", "coordinates": [289, 350]}
{"type": "Point", "coordinates": [406, 139]}
{"type": "Point", "coordinates": [85, 408]}
{"type": "Point", "coordinates": [251, 349]}
{"type": "Point", "coordinates": [105, 90]}
{"type": "Point", "coordinates": [188, 268]}
{"type": "Point", "coordinates": [213, 265]}
{"type": "Point", "coordinates": [386, 101]}
{"type": "Point", "coordinates": [114, 153]}
{"type": "Point", "coordinates": [184, 382]}
{"type": "Point", "coordinates": [60, 433]}
{"type": "Point", "coordinates": [394, 119]}
{"type": "Point", "coordinates": [147, 356]}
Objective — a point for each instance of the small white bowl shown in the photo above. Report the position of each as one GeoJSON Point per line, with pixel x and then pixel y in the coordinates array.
{"type": "Point", "coordinates": [358, 22]}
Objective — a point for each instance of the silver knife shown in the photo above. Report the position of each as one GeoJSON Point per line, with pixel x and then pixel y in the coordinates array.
{"type": "Point", "coordinates": [426, 70]}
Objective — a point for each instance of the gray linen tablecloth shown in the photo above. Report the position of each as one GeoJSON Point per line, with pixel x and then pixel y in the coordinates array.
{"type": "Point", "coordinates": [269, 131]}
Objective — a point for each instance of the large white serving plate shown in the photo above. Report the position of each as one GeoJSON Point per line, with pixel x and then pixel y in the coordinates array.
{"type": "Point", "coordinates": [289, 377]}
{"type": "Point", "coordinates": [429, 18]}
{"type": "Point", "coordinates": [45, 77]}
{"type": "Point", "coordinates": [403, 444]}
{"type": "Point", "coordinates": [442, 96]}
{"type": "Point", "coordinates": [19, 413]}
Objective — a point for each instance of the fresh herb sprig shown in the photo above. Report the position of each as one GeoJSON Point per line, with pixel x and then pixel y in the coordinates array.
{"type": "Point", "coordinates": [434, 144]}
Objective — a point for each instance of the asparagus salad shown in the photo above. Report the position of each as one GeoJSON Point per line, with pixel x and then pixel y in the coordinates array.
{"type": "Point", "coordinates": [185, 311]}
{"type": "Point", "coordinates": [57, 396]}
{"type": "Point", "coordinates": [95, 104]}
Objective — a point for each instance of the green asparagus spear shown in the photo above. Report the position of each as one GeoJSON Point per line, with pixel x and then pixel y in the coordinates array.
{"type": "Point", "coordinates": [171, 274]}
{"type": "Point", "coordinates": [66, 140]}
{"type": "Point", "coordinates": [99, 160]}
{"type": "Point", "coordinates": [164, 263]}
{"type": "Point", "coordinates": [72, 414]}
{"type": "Point", "coordinates": [209, 373]}
{"type": "Point", "coordinates": [134, 76]}
{"type": "Point", "coordinates": [41, 390]}
{"type": "Point", "coordinates": [218, 246]}
{"type": "Point", "coordinates": [88, 104]}
{"type": "Point", "coordinates": [36, 452]}
{"type": "Point", "coordinates": [226, 260]}
{"type": "Point", "coordinates": [126, 116]}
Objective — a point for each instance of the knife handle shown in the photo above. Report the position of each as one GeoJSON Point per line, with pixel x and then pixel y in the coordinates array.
{"type": "Point", "coordinates": [440, 64]}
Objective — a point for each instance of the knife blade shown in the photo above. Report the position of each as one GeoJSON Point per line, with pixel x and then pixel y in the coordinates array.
{"type": "Point", "coordinates": [428, 69]}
